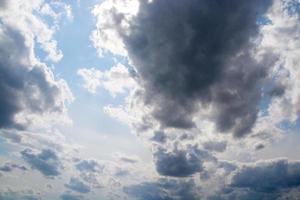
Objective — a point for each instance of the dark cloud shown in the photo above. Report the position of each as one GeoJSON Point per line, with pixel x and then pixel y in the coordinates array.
{"type": "Point", "coordinates": [8, 167]}
{"type": "Point", "coordinates": [218, 146]}
{"type": "Point", "coordinates": [227, 166]}
{"type": "Point", "coordinates": [26, 86]}
{"type": "Point", "coordinates": [77, 185]}
{"type": "Point", "coordinates": [179, 162]}
{"type": "Point", "coordinates": [268, 176]}
{"type": "Point", "coordinates": [291, 194]}
{"type": "Point", "coordinates": [244, 194]}
{"type": "Point", "coordinates": [89, 171]}
{"type": "Point", "coordinates": [278, 90]}
{"type": "Point", "coordinates": [88, 166]}
{"type": "Point", "coordinates": [191, 52]}
{"type": "Point", "coordinates": [164, 189]}
{"type": "Point", "coordinates": [47, 162]}
{"type": "Point", "coordinates": [159, 136]}
{"type": "Point", "coordinates": [268, 180]}
{"type": "Point", "coordinates": [67, 196]}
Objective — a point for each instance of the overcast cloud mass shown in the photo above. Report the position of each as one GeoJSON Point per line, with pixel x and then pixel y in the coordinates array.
{"type": "Point", "coordinates": [150, 99]}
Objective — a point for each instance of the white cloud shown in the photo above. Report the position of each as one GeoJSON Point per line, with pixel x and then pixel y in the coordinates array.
{"type": "Point", "coordinates": [116, 80]}
{"type": "Point", "coordinates": [19, 14]}
{"type": "Point", "coordinates": [37, 97]}
{"type": "Point", "coordinates": [282, 37]}
{"type": "Point", "coordinates": [91, 77]}
{"type": "Point", "coordinates": [105, 38]}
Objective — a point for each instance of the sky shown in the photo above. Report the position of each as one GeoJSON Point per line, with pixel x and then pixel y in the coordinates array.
{"type": "Point", "coordinates": [149, 100]}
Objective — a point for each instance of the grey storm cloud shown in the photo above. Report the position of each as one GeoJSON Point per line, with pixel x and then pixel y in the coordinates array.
{"type": "Point", "coordinates": [179, 162]}
{"type": "Point", "coordinates": [238, 194]}
{"type": "Point", "coordinates": [159, 136]}
{"type": "Point", "coordinates": [164, 189]}
{"type": "Point", "coordinates": [198, 52]}
{"type": "Point", "coordinates": [8, 167]}
{"type": "Point", "coordinates": [89, 170]}
{"type": "Point", "coordinates": [88, 166]}
{"type": "Point", "coordinates": [47, 161]}
{"type": "Point", "coordinates": [23, 85]}
{"type": "Point", "coordinates": [268, 180]}
{"type": "Point", "coordinates": [77, 185]}
{"type": "Point", "coordinates": [268, 176]}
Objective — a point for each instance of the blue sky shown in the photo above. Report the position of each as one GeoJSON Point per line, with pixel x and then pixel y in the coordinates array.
{"type": "Point", "coordinates": [149, 100]}
{"type": "Point", "coordinates": [86, 110]}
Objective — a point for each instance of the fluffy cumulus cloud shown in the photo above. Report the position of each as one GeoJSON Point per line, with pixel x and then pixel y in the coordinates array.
{"type": "Point", "coordinates": [32, 97]}
{"type": "Point", "coordinates": [88, 166]}
{"type": "Point", "coordinates": [179, 162]}
{"type": "Point", "coordinates": [201, 58]}
{"type": "Point", "coordinates": [273, 179]}
{"type": "Point", "coordinates": [211, 77]}
{"type": "Point", "coordinates": [205, 84]}
{"type": "Point", "coordinates": [78, 186]}
{"type": "Point", "coordinates": [106, 37]}
{"type": "Point", "coordinates": [116, 80]}
{"type": "Point", "coordinates": [29, 85]}
{"type": "Point", "coordinates": [268, 176]}
{"type": "Point", "coordinates": [47, 161]}
{"type": "Point", "coordinates": [284, 17]}
{"type": "Point", "coordinates": [91, 78]}
{"type": "Point", "coordinates": [197, 63]}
